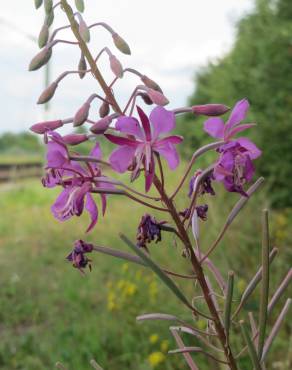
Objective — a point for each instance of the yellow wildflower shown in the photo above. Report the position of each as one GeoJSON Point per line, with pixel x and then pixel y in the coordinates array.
{"type": "Point", "coordinates": [130, 289]}
{"type": "Point", "coordinates": [164, 345]}
{"type": "Point", "coordinates": [201, 324]}
{"type": "Point", "coordinates": [155, 359]}
{"type": "Point", "coordinates": [153, 338]}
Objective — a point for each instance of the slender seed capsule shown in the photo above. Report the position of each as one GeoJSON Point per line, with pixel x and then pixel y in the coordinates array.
{"type": "Point", "coordinates": [43, 36]}
{"type": "Point", "coordinates": [82, 66]}
{"type": "Point", "coordinates": [40, 59]}
{"type": "Point", "coordinates": [121, 44]}
{"type": "Point", "coordinates": [48, 93]}
{"type": "Point", "coordinates": [38, 3]}
{"type": "Point", "coordinates": [79, 5]}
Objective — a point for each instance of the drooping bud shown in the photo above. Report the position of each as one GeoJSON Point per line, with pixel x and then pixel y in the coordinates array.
{"type": "Point", "coordinates": [43, 36]}
{"type": "Point", "coordinates": [82, 66]}
{"type": "Point", "coordinates": [74, 139]}
{"type": "Point", "coordinates": [157, 97]}
{"type": "Point", "coordinates": [49, 19]}
{"type": "Point", "coordinates": [116, 66]}
{"type": "Point", "coordinates": [40, 59]}
{"type": "Point", "coordinates": [210, 109]}
{"type": "Point", "coordinates": [104, 109]}
{"type": "Point", "coordinates": [145, 98]}
{"type": "Point", "coordinates": [79, 5]}
{"type": "Point", "coordinates": [151, 84]}
{"type": "Point", "coordinates": [84, 30]}
{"type": "Point", "coordinates": [81, 115]}
{"type": "Point", "coordinates": [43, 127]}
{"type": "Point", "coordinates": [48, 93]}
{"type": "Point", "coordinates": [48, 6]}
{"type": "Point", "coordinates": [38, 3]}
{"type": "Point", "coordinates": [101, 126]}
{"type": "Point", "coordinates": [77, 256]}
{"type": "Point", "coordinates": [121, 44]}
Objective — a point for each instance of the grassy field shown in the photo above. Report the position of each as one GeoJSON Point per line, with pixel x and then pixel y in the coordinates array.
{"type": "Point", "coordinates": [50, 313]}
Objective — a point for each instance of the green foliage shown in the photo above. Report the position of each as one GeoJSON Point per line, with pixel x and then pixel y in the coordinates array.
{"type": "Point", "coordinates": [14, 144]}
{"type": "Point", "coordinates": [259, 66]}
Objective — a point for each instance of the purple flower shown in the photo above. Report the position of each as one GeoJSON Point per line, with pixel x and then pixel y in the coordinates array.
{"type": "Point", "coordinates": [148, 230]}
{"type": "Point", "coordinates": [77, 256]}
{"type": "Point", "coordinates": [137, 150]}
{"type": "Point", "coordinates": [205, 186]}
{"type": "Point", "coordinates": [202, 211]}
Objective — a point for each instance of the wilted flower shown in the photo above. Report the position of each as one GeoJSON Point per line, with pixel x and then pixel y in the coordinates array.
{"type": "Point", "coordinates": [138, 150]}
{"type": "Point", "coordinates": [148, 230]}
{"type": "Point", "coordinates": [78, 257]}
{"type": "Point", "coordinates": [202, 211]}
{"type": "Point", "coordinates": [205, 186]}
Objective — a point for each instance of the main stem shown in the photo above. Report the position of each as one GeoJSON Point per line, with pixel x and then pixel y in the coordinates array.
{"type": "Point", "coordinates": [199, 274]}
{"type": "Point", "coordinates": [86, 52]}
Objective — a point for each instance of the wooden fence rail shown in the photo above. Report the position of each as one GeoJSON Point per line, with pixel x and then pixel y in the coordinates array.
{"type": "Point", "coordinates": [13, 171]}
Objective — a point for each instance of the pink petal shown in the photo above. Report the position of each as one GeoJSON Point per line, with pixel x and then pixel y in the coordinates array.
{"type": "Point", "coordinates": [59, 204]}
{"type": "Point", "coordinates": [254, 151]}
{"type": "Point", "coordinates": [96, 151]}
{"type": "Point", "coordinates": [121, 158]}
{"type": "Point", "coordinates": [145, 123]}
{"type": "Point", "coordinates": [103, 203]}
{"type": "Point", "coordinates": [169, 153]}
{"type": "Point", "coordinates": [214, 127]}
{"type": "Point", "coordinates": [92, 210]}
{"type": "Point", "coordinates": [175, 139]}
{"type": "Point", "coordinates": [238, 129]}
{"type": "Point", "coordinates": [162, 121]}
{"type": "Point", "coordinates": [238, 114]}
{"type": "Point", "coordinates": [119, 140]}
{"type": "Point", "coordinates": [130, 126]}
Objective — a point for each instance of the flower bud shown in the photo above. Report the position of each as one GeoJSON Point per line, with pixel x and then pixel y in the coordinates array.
{"type": "Point", "coordinates": [157, 97]}
{"type": "Point", "coordinates": [104, 109]}
{"type": "Point", "coordinates": [43, 36]}
{"type": "Point", "coordinates": [40, 59]}
{"type": "Point", "coordinates": [210, 109]}
{"type": "Point", "coordinates": [48, 6]}
{"type": "Point", "coordinates": [84, 31]}
{"type": "Point", "coordinates": [116, 66]}
{"type": "Point", "coordinates": [43, 127]}
{"type": "Point", "coordinates": [74, 139]}
{"type": "Point", "coordinates": [82, 66]}
{"type": "Point", "coordinates": [48, 93]}
{"type": "Point", "coordinates": [101, 126]}
{"type": "Point", "coordinates": [79, 5]}
{"type": "Point", "coordinates": [150, 83]}
{"type": "Point", "coordinates": [121, 44]}
{"type": "Point", "coordinates": [82, 115]}
{"type": "Point", "coordinates": [145, 98]}
{"type": "Point", "coordinates": [49, 19]}
{"type": "Point", "coordinates": [38, 3]}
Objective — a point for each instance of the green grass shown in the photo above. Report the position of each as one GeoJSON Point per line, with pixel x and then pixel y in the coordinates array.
{"type": "Point", "coordinates": [49, 312]}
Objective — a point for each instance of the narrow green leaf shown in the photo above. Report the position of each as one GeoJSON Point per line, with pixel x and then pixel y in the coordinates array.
{"type": "Point", "coordinates": [228, 302]}
{"type": "Point", "coordinates": [158, 271]}
{"type": "Point", "coordinates": [250, 346]}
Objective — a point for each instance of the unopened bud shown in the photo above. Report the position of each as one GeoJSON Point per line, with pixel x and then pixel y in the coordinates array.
{"type": "Point", "coordinates": [38, 3]}
{"type": "Point", "coordinates": [42, 127]}
{"type": "Point", "coordinates": [79, 5]}
{"type": "Point", "coordinates": [146, 98]}
{"type": "Point", "coordinates": [49, 19]}
{"type": "Point", "coordinates": [104, 109]}
{"type": "Point", "coordinates": [116, 66]}
{"type": "Point", "coordinates": [74, 139]}
{"type": "Point", "coordinates": [82, 115]}
{"type": "Point", "coordinates": [210, 109]}
{"type": "Point", "coordinates": [101, 126]}
{"type": "Point", "coordinates": [82, 66]}
{"type": "Point", "coordinates": [40, 59]}
{"type": "Point", "coordinates": [48, 93]}
{"type": "Point", "coordinates": [157, 97]}
{"type": "Point", "coordinates": [150, 83]}
{"type": "Point", "coordinates": [121, 44]}
{"type": "Point", "coordinates": [48, 6]}
{"type": "Point", "coordinates": [43, 36]}
{"type": "Point", "coordinates": [84, 31]}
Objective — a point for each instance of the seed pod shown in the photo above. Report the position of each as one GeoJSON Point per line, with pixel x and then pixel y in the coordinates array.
{"type": "Point", "coordinates": [48, 6]}
{"type": "Point", "coordinates": [101, 126]}
{"type": "Point", "coordinates": [40, 59]}
{"type": "Point", "coordinates": [43, 36]}
{"type": "Point", "coordinates": [38, 3]}
{"type": "Point", "coordinates": [104, 109]}
{"type": "Point", "coordinates": [79, 5]}
{"type": "Point", "coordinates": [42, 127]}
{"type": "Point", "coordinates": [151, 84]}
{"type": "Point", "coordinates": [84, 31]}
{"type": "Point", "coordinates": [75, 139]}
{"type": "Point", "coordinates": [49, 19]}
{"type": "Point", "coordinates": [82, 66]}
{"type": "Point", "coordinates": [48, 93]}
{"type": "Point", "coordinates": [81, 115]}
{"type": "Point", "coordinates": [157, 97]}
{"type": "Point", "coordinates": [116, 66]}
{"type": "Point", "coordinates": [145, 98]}
{"type": "Point", "coordinates": [121, 44]}
{"type": "Point", "coordinates": [210, 109]}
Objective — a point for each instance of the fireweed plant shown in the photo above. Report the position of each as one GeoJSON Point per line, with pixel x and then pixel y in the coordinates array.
{"type": "Point", "coordinates": [141, 142]}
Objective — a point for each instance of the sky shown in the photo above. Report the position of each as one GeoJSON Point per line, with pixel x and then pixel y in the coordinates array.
{"type": "Point", "coordinates": [169, 40]}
